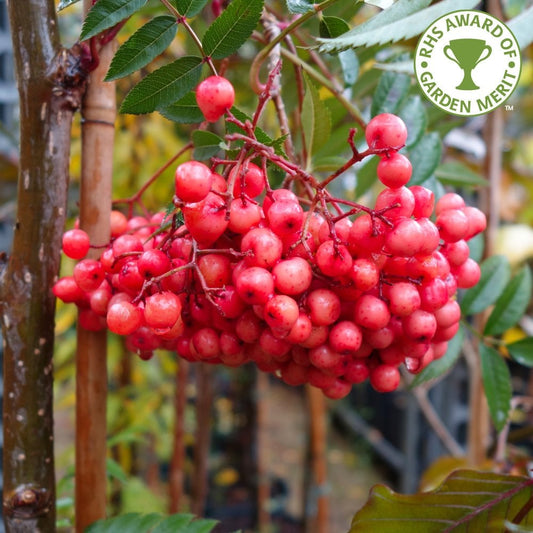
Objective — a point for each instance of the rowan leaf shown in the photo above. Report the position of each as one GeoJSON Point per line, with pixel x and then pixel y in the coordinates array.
{"type": "Point", "coordinates": [232, 28]}
{"type": "Point", "coordinates": [497, 384]}
{"type": "Point", "coordinates": [511, 305]}
{"type": "Point", "coordinates": [391, 92]}
{"type": "Point", "coordinates": [425, 157]}
{"type": "Point", "coordinates": [106, 13]}
{"type": "Point", "coordinates": [164, 86]}
{"type": "Point", "coordinates": [142, 47]}
{"type": "Point", "coordinates": [184, 111]}
{"type": "Point", "coordinates": [189, 8]}
{"type": "Point", "coordinates": [441, 366]}
{"type": "Point", "coordinates": [300, 7]}
{"type": "Point", "coordinates": [495, 274]}
{"type": "Point", "coordinates": [414, 114]}
{"type": "Point", "coordinates": [458, 174]}
{"type": "Point", "coordinates": [521, 28]}
{"type": "Point", "coordinates": [316, 120]}
{"type": "Point", "coordinates": [65, 3]}
{"type": "Point", "coordinates": [468, 500]}
{"type": "Point", "coordinates": [206, 144]}
{"type": "Point", "coordinates": [403, 20]}
{"type": "Point", "coordinates": [522, 351]}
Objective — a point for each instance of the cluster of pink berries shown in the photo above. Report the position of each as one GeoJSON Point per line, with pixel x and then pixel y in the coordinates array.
{"type": "Point", "coordinates": [308, 295]}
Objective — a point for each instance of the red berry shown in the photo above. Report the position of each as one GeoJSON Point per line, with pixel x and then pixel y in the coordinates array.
{"type": "Point", "coordinates": [249, 180]}
{"type": "Point", "coordinates": [193, 181]}
{"type": "Point", "coordinates": [394, 170]}
{"type": "Point", "coordinates": [214, 96]}
{"type": "Point", "coordinates": [386, 131]}
{"type": "Point", "coordinates": [162, 310]}
{"type": "Point", "coordinates": [89, 274]}
{"type": "Point", "coordinates": [292, 276]}
{"type": "Point", "coordinates": [76, 243]}
{"type": "Point", "coordinates": [123, 318]}
{"type": "Point", "coordinates": [385, 378]}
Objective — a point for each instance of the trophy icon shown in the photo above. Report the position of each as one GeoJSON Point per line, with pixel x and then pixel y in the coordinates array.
{"type": "Point", "coordinates": [467, 53]}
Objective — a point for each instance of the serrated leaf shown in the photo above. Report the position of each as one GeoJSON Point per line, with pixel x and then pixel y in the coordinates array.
{"type": "Point", "coordinates": [468, 500]}
{"type": "Point", "coordinates": [521, 28]}
{"type": "Point", "coordinates": [184, 111]}
{"type": "Point", "coordinates": [130, 522]}
{"type": "Point", "coordinates": [232, 28]}
{"type": "Point", "coordinates": [367, 175]}
{"type": "Point", "coordinates": [333, 27]}
{"type": "Point", "coordinates": [316, 120]}
{"type": "Point", "coordinates": [106, 13]}
{"type": "Point", "coordinates": [183, 524]}
{"type": "Point", "coordinates": [425, 156]}
{"type": "Point", "coordinates": [299, 7]}
{"type": "Point", "coordinates": [413, 113]}
{"type": "Point", "coordinates": [497, 384]}
{"type": "Point", "coordinates": [441, 366]}
{"type": "Point", "coordinates": [522, 351]}
{"type": "Point", "coordinates": [390, 93]}
{"type": "Point", "coordinates": [142, 47]}
{"type": "Point", "coordinates": [189, 8]}
{"type": "Point", "coordinates": [65, 3]}
{"type": "Point", "coordinates": [115, 470]}
{"type": "Point", "coordinates": [458, 175]}
{"type": "Point", "coordinates": [330, 27]}
{"type": "Point", "coordinates": [403, 20]}
{"type": "Point", "coordinates": [164, 86]}
{"type": "Point", "coordinates": [206, 144]}
{"type": "Point", "coordinates": [495, 274]}
{"type": "Point", "coordinates": [511, 305]}
{"type": "Point", "coordinates": [260, 134]}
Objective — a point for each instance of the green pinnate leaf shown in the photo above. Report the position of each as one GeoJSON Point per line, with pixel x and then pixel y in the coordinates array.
{"type": "Point", "coordinates": [106, 13]}
{"type": "Point", "coordinates": [458, 174]}
{"type": "Point", "coordinates": [142, 47]}
{"type": "Point", "coordinates": [316, 120]}
{"type": "Point", "coordinates": [65, 3]}
{"type": "Point", "coordinates": [522, 351]}
{"type": "Point", "coordinates": [206, 144]}
{"type": "Point", "coordinates": [511, 305]}
{"type": "Point", "coordinates": [333, 27]}
{"type": "Point", "coordinates": [184, 111]}
{"type": "Point", "coordinates": [184, 523]}
{"type": "Point", "coordinates": [300, 7]}
{"type": "Point", "coordinates": [521, 28]}
{"type": "Point", "coordinates": [390, 93]}
{"type": "Point", "coordinates": [414, 114]}
{"type": "Point", "coordinates": [497, 384]}
{"type": "Point", "coordinates": [232, 28]}
{"type": "Point", "coordinates": [468, 500]}
{"type": "Point", "coordinates": [495, 274]}
{"type": "Point", "coordinates": [425, 157]}
{"type": "Point", "coordinates": [444, 364]}
{"type": "Point", "coordinates": [164, 86]}
{"type": "Point", "coordinates": [403, 20]}
{"type": "Point", "coordinates": [189, 8]}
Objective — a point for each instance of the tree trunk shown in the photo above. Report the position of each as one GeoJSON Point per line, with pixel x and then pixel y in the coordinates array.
{"type": "Point", "coordinates": [98, 133]}
{"type": "Point", "coordinates": [50, 86]}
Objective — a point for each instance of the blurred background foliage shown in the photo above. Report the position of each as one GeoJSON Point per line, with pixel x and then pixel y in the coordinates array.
{"type": "Point", "coordinates": [141, 412]}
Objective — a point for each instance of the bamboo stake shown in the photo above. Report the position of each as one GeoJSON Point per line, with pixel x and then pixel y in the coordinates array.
{"type": "Point", "coordinates": [177, 461]}
{"type": "Point", "coordinates": [479, 427]}
{"type": "Point", "coordinates": [318, 523]}
{"type": "Point", "coordinates": [98, 115]}
{"type": "Point", "coordinates": [263, 484]}
{"type": "Point", "coordinates": [204, 402]}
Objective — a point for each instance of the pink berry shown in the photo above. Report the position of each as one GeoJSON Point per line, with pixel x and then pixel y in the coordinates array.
{"type": "Point", "coordinates": [123, 318]}
{"type": "Point", "coordinates": [162, 309]}
{"type": "Point", "coordinates": [76, 243]}
{"type": "Point", "coordinates": [89, 274]}
{"type": "Point", "coordinates": [292, 276]}
{"type": "Point", "coordinates": [214, 96]}
{"type": "Point", "coordinates": [386, 131]}
{"type": "Point", "coordinates": [385, 378]}
{"type": "Point", "coordinates": [394, 170]}
{"type": "Point", "coordinates": [193, 181]}
{"type": "Point", "coordinates": [249, 180]}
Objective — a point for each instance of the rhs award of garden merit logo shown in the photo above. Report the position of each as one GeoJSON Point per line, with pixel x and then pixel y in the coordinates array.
{"type": "Point", "coordinates": [467, 63]}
